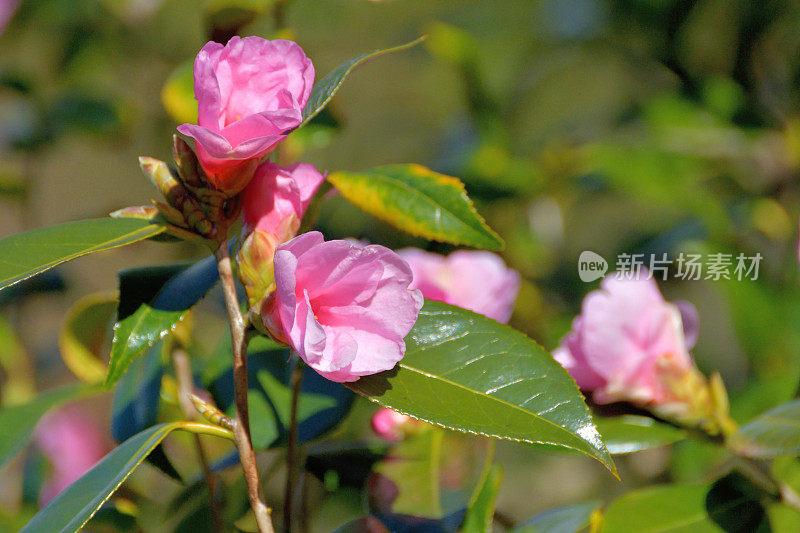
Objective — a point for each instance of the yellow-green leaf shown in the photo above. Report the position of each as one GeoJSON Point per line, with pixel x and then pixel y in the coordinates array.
{"type": "Point", "coordinates": [418, 201]}
{"type": "Point", "coordinates": [83, 334]}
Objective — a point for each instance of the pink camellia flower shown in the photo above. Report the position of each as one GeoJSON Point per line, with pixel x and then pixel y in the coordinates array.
{"type": "Point", "coordinates": [628, 344]}
{"type": "Point", "coordinates": [250, 93]}
{"type": "Point", "coordinates": [72, 445]}
{"type": "Point", "coordinates": [388, 424]}
{"type": "Point", "coordinates": [7, 9]}
{"type": "Point", "coordinates": [345, 308]}
{"type": "Point", "coordinates": [475, 280]}
{"type": "Point", "coordinates": [274, 203]}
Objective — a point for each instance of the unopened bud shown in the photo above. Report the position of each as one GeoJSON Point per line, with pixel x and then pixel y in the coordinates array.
{"type": "Point", "coordinates": [188, 166]}
{"type": "Point", "coordinates": [142, 212]}
{"type": "Point", "coordinates": [254, 259]}
{"type": "Point", "coordinates": [211, 413]}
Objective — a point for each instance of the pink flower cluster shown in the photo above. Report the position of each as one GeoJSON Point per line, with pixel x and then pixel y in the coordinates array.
{"type": "Point", "coordinates": [344, 308]}
{"type": "Point", "coordinates": [629, 344]}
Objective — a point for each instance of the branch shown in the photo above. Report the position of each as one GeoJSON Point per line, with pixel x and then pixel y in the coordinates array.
{"type": "Point", "coordinates": [242, 426]}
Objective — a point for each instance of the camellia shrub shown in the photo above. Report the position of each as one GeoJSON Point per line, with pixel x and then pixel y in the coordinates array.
{"type": "Point", "coordinates": [312, 322]}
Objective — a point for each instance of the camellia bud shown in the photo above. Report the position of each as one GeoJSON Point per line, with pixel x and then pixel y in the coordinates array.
{"type": "Point", "coordinates": [274, 203]}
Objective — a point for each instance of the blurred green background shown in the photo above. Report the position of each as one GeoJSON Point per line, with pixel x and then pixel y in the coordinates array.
{"type": "Point", "coordinates": [627, 126]}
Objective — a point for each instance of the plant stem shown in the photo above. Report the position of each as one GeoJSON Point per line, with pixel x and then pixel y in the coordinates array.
{"type": "Point", "coordinates": [247, 455]}
{"type": "Point", "coordinates": [292, 448]}
{"type": "Point", "coordinates": [183, 374]}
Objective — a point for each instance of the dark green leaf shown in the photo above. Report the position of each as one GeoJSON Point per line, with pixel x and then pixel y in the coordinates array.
{"type": "Point", "coordinates": [480, 513]}
{"type": "Point", "coordinates": [466, 372]}
{"type": "Point", "coordinates": [27, 254]}
{"type": "Point", "coordinates": [75, 506]}
{"type": "Point", "coordinates": [632, 433]}
{"type": "Point", "coordinates": [151, 322]}
{"type": "Point", "coordinates": [562, 520]}
{"type": "Point", "coordinates": [418, 201]}
{"type": "Point", "coordinates": [323, 91]}
{"type": "Point", "coordinates": [19, 421]}
{"type": "Point", "coordinates": [776, 432]}
{"type": "Point", "coordinates": [664, 509]}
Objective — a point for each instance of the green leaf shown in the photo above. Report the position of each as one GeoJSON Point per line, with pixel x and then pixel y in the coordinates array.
{"type": "Point", "coordinates": [466, 372]}
{"type": "Point", "coordinates": [562, 520]}
{"type": "Point", "coordinates": [19, 421]}
{"type": "Point", "coordinates": [664, 509]}
{"type": "Point", "coordinates": [632, 433]}
{"type": "Point", "coordinates": [75, 506]}
{"type": "Point", "coordinates": [323, 91]}
{"type": "Point", "coordinates": [480, 513]}
{"type": "Point", "coordinates": [151, 322]}
{"type": "Point", "coordinates": [26, 254]}
{"type": "Point", "coordinates": [774, 433]}
{"type": "Point", "coordinates": [412, 467]}
{"type": "Point", "coordinates": [83, 334]}
{"type": "Point", "coordinates": [418, 201]}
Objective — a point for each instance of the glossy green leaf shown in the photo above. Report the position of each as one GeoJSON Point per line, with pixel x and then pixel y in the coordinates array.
{"type": "Point", "coordinates": [664, 509]}
{"type": "Point", "coordinates": [26, 254]}
{"type": "Point", "coordinates": [562, 520]}
{"type": "Point", "coordinates": [466, 372]}
{"type": "Point", "coordinates": [152, 321]}
{"type": "Point", "coordinates": [632, 433]}
{"type": "Point", "coordinates": [418, 201]}
{"type": "Point", "coordinates": [19, 421]}
{"type": "Point", "coordinates": [75, 506]}
{"type": "Point", "coordinates": [177, 95]}
{"type": "Point", "coordinates": [480, 513]}
{"type": "Point", "coordinates": [83, 334]}
{"type": "Point", "coordinates": [774, 433]}
{"type": "Point", "coordinates": [327, 87]}
{"type": "Point", "coordinates": [412, 467]}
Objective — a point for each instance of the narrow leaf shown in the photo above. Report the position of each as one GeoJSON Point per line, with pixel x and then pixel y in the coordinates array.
{"type": "Point", "coordinates": [26, 254]}
{"type": "Point", "coordinates": [74, 507]}
{"type": "Point", "coordinates": [480, 513]}
{"type": "Point", "coordinates": [323, 91]}
{"type": "Point", "coordinates": [632, 433]}
{"type": "Point", "coordinates": [774, 433]}
{"type": "Point", "coordinates": [151, 322]}
{"type": "Point", "coordinates": [466, 372]}
{"type": "Point", "coordinates": [19, 421]}
{"type": "Point", "coordinates": [418, 201]}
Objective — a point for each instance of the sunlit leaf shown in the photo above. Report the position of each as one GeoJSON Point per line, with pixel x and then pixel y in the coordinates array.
{"type": "Point", "coordinates": [774, 433]}
{"type": "Point", "coordinates": [75, 506]}
{"type": "Point", "coordinates": [469, 373]}
{"type": "Point", "coordinates": [418, 201]}
{"type": "Point", "coordinates": [83, 334]}
{"type": "Point", "coordinates": [26, 254]}
{"type": "Point", "coordinates": [632, 433]}
{"type": "Point", "coordinates": [326, 88]}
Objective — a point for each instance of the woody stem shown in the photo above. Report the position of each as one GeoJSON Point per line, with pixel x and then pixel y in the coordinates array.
{"type": "Point", "coordinates": [242, 425]}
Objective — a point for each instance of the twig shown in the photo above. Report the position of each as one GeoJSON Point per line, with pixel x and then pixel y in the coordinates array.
{"type": "Point", "coordinates": [292, 449]}
{"type": "Point", "coordinates": [242, 427]}
{"type": "Point", "coordinates": [183, 374]}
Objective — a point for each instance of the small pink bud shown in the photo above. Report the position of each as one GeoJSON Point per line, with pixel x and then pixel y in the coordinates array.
{"type": "Point", "coordinates": [274, 204]}
{"type": "Point", "coordinates": [343, 307]}
{"type": "Point", "coordinates": [250, 94]}
{"type": "Point", "coordinates": [72, 444]}
{"type": "Point", "coordinates": [390, 425]}
{"type": "Point", "coordinates": [475, 280]}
